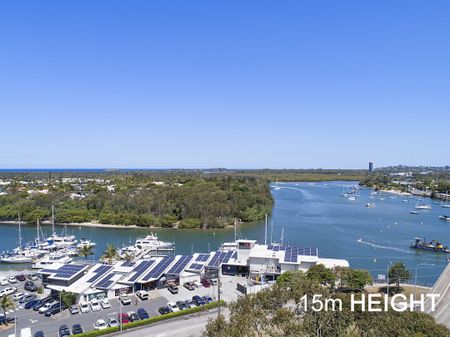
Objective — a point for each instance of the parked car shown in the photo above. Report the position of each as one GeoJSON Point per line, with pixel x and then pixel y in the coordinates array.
{"type": "Point", "coordinates": [133, 316]}
{"type": "Point", "coordinates": [74, 309]}
{"type": "Point", "coordinates": [45, 307]}
{"type": "Point", "coordinates": [8, 319]}
{"type": "Point", "coordinates": [100, 324]}
{"type": "Point", "coordinates": [112, 322]}
{"type": "Point", "coordinates": [105, 303]}
{"type": "Point", "coordinates": [27, 297]}
{"type": "Point", "coordinates": [64, 331]}
{"type": "Point", "coordinates": [142, 314]}
{"type": "Point", "coordinates": [123, 318]}
{"type": "Point", "coordinates": [173, 307]}
{"type": "Point", "coordinates": [206, 283]}
{"type": "Point", "coordinates": [77, 329]}
{"type": "Point", "coordinates": [30, 286]}
{"type": "Point", "coordinates": [12, 279]}
{"type": "Point", "coordinates": [182, 305]}
{"type": "Point", "coordinates": [190, 303]}
{"type": "Point", "coordinates": [18, 296]}
{"type": "Point", "coordinates": [125, 300]}
{"type": "Point", "coordinates": [32, 277]}
{"type": "Point", "coordinates": [55, 309]}
{"type": "Point", "coordinates": [95, 305]}
{"type": "Point", "coordinates": [42, 302]}
{"type": "Point", "coordinates": [7, 291]}
{"type": "Point", "coordinates": [84, 307]}
{"type": "Point", "coordinates": [31, 303]}
{"type": "Point", "coordinates": [173, 288]}
{"type": "Point", "coordinates": [198, 300]}
{"type": "Point", "coordinates": [142, 294]}
{"type": "Point", "coordinates": [208, 299]}
{"type": "Point", "coordinates": [189, 285]}
{"type": "Point", "coordinates": [4, 281]}
{"type": "Point", "coordinates": [164, 310]}
{"type": "Point", "coordinates": [39, 333]}
{"type": "Point", "coordinates": [20, 277]}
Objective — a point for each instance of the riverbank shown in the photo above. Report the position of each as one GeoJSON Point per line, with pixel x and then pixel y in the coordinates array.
{"type": "Point", "coordinates": [100, 225]}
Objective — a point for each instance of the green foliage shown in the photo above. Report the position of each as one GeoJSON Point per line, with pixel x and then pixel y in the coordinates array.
{"type": "Point", "coordinates": [68, 298]}
{"type": "Point", "coordinates": [279, 312]}
{"type": "Point", "coordinates": [40, 290]}
{"type": "Point", "coordinates": [167, 199]}
{"type": "Point", "coordinates": [321, 274]}
{"type": "Point", "coordinates": [110, 253]}
{"type": "Point", "coordinates": [353, 278]}
{"type": "Point", "coordinates": [398, 273]}
{"type": "Point", "coordinates": [85, 251]}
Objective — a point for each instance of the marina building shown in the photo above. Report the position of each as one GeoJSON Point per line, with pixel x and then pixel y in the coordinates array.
{"type": "Point", "coordinates": [259, 263]}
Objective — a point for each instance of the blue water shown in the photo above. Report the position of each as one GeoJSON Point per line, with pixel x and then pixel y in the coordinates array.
{"type": "Point", "coordinates": [312, 215]}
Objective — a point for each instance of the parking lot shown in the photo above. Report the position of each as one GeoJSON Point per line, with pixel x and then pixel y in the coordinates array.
{"type": "Point", "coordinates": [157, 298]}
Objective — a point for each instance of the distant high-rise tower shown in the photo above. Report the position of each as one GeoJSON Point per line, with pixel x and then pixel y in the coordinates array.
{"type": "Point", "coordinates": [370, 166]}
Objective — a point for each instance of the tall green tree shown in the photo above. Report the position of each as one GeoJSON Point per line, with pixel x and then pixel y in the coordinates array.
{"type": "Point", "coordinates": [398, 273]}
{"type": "Point", "coordinates": [110, 253]}
{"type": "Point", "coordinates": [321, 274]}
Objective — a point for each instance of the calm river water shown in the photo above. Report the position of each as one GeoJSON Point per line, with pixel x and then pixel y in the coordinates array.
{"type": "Point", "coordinates": [312, 215]}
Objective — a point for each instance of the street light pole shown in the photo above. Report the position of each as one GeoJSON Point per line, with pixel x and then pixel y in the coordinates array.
{"type": "Point", "coordinates": [218, 292]}
{"type": "Point", "coordinates": [415, 276]}
{"type": "Point", "coordinates": [387, 276]}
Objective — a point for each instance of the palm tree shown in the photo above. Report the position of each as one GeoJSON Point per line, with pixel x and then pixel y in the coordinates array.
{"type": "Point", "coordinates": [6, 304]}
{"type": "Point", "coordinates": [110, 253]}
{"type": "Point", "coordinates": [86, 251]}
{"type": "Point", "coordinates": [128, 257]}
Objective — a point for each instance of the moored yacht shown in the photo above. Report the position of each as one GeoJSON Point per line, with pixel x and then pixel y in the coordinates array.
{"type": "Point", "coordinates": [151, 242]}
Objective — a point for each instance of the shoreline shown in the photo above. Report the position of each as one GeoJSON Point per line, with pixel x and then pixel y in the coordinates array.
{"type": "Point", "coordinates": [100, 225]}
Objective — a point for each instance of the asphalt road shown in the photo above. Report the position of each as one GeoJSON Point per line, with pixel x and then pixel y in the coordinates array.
{"type": "Point", "coordinates": [191, 325]}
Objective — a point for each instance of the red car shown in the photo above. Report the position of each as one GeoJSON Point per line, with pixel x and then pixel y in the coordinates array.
{"type": "Point", "coordinates": [124, 318]}
{"type": "Point", "coordinates": [20, 277]}
{"type": "Point", "coordinates": [206, 283]}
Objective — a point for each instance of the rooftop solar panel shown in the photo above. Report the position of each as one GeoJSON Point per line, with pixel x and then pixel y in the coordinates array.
{"type": "Point", "coordinates": [127, 264]}
{"type": "Point", "coordinates": [178, 267]}
{"type": "Point", "coordinates": [195, 266]}
{"type": "Point", "coordinates": [202, 257]}
{"type": "Point", "coordinates": [99, 271]}
{"type": "Point", "coordinates": [68, 270]}
{"type": "Point", "coordinates": [140, 269]}
{"type": "Point", "coordinates": [219, 258]}
{"type": "Point", "coordinates": [159, 269]}
{"type": "Point", "coordinates": [105, 282]}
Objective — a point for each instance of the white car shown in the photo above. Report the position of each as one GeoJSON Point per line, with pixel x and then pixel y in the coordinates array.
{"type": "Point", "coordinates": [173, 307]}
{"type": "Point", "coordinates": [18, 296]}
{"type": "Point", "coordinates": [3, 281]}
{"type": "Point", "coordinates": [84, 307]}
{"type": "Point", "coordinates": [142, 294]}
{"type": "Point", "coordinates": [7, 291]}
{"type": "Point", "coordinates": [100, 324]}
{"type": "Point", "coordinates": [95, 305]}
{"type": "Point", "coordinates": [45, 307]}
{"type": "Point", "coordinates": [105, 303]}
{"type": "Point", "coordinates": [12, 279]}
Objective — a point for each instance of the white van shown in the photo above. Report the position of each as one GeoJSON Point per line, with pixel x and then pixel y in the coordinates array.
{"type": "Point", "coordinates": [26, 332]}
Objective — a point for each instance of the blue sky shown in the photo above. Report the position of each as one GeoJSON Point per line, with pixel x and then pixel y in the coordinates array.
{"type": "Point", "coordinates": [237, 84]}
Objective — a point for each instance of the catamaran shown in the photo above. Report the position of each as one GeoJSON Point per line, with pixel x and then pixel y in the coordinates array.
{"type": "Point", "coordinates": [17, 255]}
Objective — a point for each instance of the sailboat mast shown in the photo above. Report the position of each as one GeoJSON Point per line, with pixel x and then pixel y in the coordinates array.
{"type": "Point", "coordinates": [53, 219]}
{"type": "Point", "coordinates": [265, 232]}
{"type": "Point", "coordinates": [38, 239]}
{"type": "Point", "coordinates": [235, 229]}
{"type": "Point", "coordinates": [282, 236]}
{"type": "Point", "coordinates": [271, 230]}
{"type": "Point", "coordinates": [20, 236]}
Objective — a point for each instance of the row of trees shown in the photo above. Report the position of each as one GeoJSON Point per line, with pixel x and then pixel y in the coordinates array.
{"type": "Point", "coordinates": [186, 201]}
{"type": "Point", "coordinates": [279, 311]}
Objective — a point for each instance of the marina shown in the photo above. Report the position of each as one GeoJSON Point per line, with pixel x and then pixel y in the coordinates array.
{"type": "Point", "coordinates": [310, 214]}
